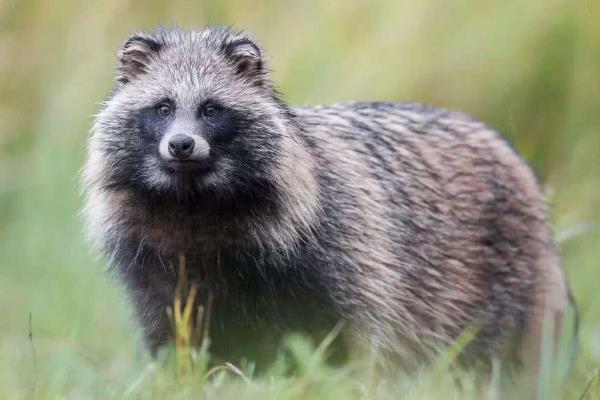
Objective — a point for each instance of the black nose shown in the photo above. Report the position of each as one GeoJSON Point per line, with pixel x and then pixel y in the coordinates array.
{"type": "Point", "coordinates": [181, 146]}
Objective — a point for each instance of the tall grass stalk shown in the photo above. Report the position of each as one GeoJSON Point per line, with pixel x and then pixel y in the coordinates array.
{"type": "Point", "coordinates": [190, 321]}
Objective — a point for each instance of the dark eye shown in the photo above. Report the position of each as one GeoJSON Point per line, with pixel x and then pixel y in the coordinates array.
{"type": "Point", "coordinates": [164, 110]}
{"type": "Point", "coordinates": [210, 110]}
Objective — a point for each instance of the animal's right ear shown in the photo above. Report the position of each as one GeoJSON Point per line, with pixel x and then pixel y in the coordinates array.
{"type": "Point", "coordinates": [247, 58]}
{"type": "Point", "coordinates": [135, 55]}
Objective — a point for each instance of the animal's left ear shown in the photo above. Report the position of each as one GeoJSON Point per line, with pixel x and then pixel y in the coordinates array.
{"type": "Point", "coordinates": [247, 58]}
{"type": "Point", "coordinates": [135, 56]}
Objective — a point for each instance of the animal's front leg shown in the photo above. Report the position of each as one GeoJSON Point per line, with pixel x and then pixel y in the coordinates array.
{"type": "Point", "coordinates": [151, 285]}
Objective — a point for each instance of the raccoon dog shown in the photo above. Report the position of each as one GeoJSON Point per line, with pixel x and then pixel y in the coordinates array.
{"type": "Point", "coordinates": [409, 223]}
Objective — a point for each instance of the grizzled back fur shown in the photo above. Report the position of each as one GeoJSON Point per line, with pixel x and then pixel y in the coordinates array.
{"type": "Point", "coordinates": [408, 222]}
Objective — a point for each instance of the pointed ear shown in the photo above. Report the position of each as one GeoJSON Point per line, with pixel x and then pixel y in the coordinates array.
{"type": "Point", "coordinates": [247, 58]}
{"type": "Point", "coordinates": [135, 55]}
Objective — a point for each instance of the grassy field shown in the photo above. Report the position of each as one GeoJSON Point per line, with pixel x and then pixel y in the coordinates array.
{"type": "Point", "coordinates": [530, 68]}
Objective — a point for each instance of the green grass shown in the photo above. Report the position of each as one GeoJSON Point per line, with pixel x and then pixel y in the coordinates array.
{"type": "Point", "coordinates": [530, 68]}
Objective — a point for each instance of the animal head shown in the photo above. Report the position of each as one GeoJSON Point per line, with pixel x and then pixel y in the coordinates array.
{"type": "Point", "coordinates": [192, 113]}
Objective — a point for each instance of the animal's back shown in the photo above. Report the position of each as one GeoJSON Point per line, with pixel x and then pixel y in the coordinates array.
{"type": "Point", "coordinates": [454, 224]}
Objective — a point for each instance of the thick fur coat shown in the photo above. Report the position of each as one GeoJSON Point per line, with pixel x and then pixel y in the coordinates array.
{"type": "Point", "coordinates": [408, 222]}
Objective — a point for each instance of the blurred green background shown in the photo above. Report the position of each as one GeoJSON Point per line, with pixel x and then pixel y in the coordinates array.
{"type": "Point", "coordinates": [528, 68]}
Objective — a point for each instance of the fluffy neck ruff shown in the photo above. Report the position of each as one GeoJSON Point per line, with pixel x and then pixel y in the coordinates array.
{"type": "Point", "coordinates": [275, 221]}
